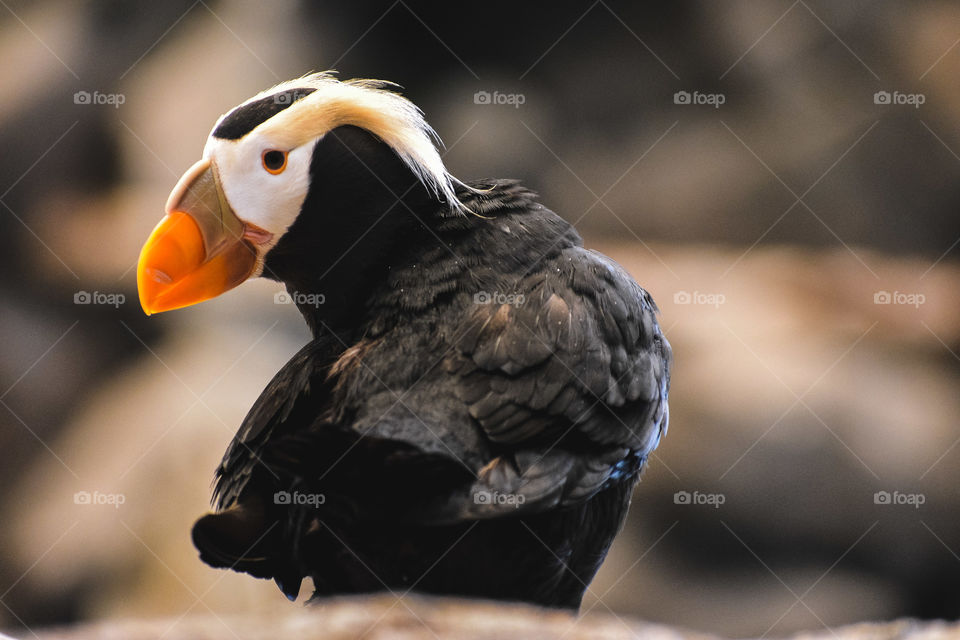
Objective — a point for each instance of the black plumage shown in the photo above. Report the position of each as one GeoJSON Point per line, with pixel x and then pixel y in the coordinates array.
{"type": "Point", "coordinates": [473, 411]}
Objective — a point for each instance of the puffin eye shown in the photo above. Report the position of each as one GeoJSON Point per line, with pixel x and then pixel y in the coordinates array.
{"type": "Point", "coordinates": [274, 161]}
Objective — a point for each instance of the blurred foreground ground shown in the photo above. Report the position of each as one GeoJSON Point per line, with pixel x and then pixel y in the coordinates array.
{"type": "Point", "coordinates": [416, 618]}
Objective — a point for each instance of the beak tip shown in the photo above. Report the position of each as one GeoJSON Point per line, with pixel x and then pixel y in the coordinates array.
{"type": "Point", "coordinates": [144, 303]}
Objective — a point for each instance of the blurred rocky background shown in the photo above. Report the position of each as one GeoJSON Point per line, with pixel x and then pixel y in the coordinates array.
{"type": "Point", "coordinates": [783, 178]}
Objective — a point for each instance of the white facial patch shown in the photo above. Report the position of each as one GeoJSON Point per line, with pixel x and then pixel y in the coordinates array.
{"type": "Point", "coordinates": [269, 201]}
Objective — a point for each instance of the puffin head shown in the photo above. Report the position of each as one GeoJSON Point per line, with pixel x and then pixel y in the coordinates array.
{"type": "Point", "coordinates": [288, 180]}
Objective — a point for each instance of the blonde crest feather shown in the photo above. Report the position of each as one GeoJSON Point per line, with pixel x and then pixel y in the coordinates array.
{"type": "Point", "coordinates": [371, 105]}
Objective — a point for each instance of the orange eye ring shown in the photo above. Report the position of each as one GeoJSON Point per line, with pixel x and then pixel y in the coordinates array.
{"type": "Point", "coordinates": [274, 161]}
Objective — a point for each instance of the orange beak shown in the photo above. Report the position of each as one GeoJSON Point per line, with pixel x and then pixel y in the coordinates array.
{"type": "Point", "coordinates": [198, 250]}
